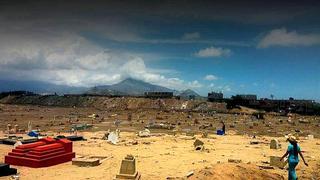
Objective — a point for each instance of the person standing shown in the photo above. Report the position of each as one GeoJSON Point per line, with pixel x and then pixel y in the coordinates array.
{"type": "Point", "coordinates": [223, 127]}
{"type": "Point", "coordinates": [293, 151]}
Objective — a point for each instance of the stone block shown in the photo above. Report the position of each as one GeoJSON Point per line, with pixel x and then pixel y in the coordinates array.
{"type": "Point", "coordinates": [84, 162]}
{"type": "Point", "coordinates": [275, 162]}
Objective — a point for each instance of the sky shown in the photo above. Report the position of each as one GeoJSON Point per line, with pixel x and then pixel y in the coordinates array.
{"type": "Point", "coordinates": [236, 47]}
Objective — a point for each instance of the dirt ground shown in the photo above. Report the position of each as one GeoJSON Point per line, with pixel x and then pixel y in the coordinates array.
{"type": "Point", "coordinates": [165, 155]}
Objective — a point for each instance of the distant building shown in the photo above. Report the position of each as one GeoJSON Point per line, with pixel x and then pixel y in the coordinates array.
{"type": "Point", "coordinates": [158, 94]}
{"type": "Point", "coordinates": [215, 96]}
{"type": "Point", "coordinates": [248, 96]}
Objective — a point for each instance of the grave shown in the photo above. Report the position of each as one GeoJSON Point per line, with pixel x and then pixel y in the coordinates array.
{"type": "Point", "coordinates": [198, 145]}
{"type": "Point", "coordinates": [275, 162]}
{"type": "Point", "coordinates": [84, 162]}
{"type": "Point", "coordinates": [44, 153]}
{"type": "Point", "coordinates": [128, 169]}
{"type": "Point", "coordinates": [5, 170]}
{"type": "Point", "coordinates": [274, 144]}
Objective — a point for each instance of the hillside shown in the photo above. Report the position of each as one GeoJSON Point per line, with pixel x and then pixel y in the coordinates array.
{"type": "Point", "coordinates": [127, 87]}
{"type": "Point", "coordinates": [39, 87]}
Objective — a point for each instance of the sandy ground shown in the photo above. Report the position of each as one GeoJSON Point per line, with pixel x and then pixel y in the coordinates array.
{"type": "Point", "coordinates": [159, 157]}
{"type": "Point", "coordinates": [171, 156]}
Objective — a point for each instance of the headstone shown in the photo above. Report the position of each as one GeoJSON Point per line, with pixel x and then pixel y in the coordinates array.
{"type": "Point", "coordinates": [274, 144]}
{"type": "Point", "coordinates": [198, 145]}
{"type": "Point", "coordinates": [128, 169]}
{"type": "Point", "coordinates": [275, 161]}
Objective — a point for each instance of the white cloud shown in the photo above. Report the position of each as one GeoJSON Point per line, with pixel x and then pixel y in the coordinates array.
{"type": "Point", "coordinates": [282, 37]}
{"type": "Point", "coordinates": [191, 36]}
{"type": "Point", "coordinates": [210, 77]}
{"type": "Point", "coordinates": [194, 84]}
{"type": "Point", "coordinates": [211, 85]}
{"type": "Point", "coordinates": [213, 52]}
{"type": "Point", "coordinates": [70, 59]}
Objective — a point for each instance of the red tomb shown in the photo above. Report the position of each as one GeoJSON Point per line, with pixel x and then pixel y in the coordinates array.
{"type": "Point", "coordinates": [46, 152]}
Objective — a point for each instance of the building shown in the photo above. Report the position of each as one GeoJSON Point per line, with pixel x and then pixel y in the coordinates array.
{"type": "Point", "coordinates": [158, 94]}
{"type": "Point", "coordinates": [248, 96]}
{"type": "Point", "coordinates": [215, 96]}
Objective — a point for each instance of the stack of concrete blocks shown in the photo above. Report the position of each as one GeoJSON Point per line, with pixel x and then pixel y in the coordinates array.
{"type": "Point", "coordinates": [128, 169]}
{"type": "Point", "coordinates": [275, 162]}
{"type": "Point", "coordinates": [274, 144]}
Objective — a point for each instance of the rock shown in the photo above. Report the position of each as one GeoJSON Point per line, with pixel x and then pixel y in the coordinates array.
{"type": "Point", "coordinates": [189, 174]}
{"type": "Point", "coordinates": [304, 121]}
{"type": "Point", "coordinates": [310, 137]}
{"type": "Point", "coordinates": [254, 142]}
{"type": "Point", "coordinates": [144, 133]}
{"type": "Point", "coordinates": [234, 161]}
{"type": "Point", "coordinates": [204, 134]}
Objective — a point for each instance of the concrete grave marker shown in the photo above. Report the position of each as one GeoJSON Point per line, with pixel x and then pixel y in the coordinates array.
{"type": "Point", "coordinates": [128, 169]}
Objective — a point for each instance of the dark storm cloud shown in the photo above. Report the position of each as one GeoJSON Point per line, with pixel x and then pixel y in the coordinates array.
{"type": "Point", "coordinates": [83, 10]}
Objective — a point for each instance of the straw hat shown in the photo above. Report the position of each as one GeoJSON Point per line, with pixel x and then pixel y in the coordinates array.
{"type": "Point", "coordinates": [291, 138]}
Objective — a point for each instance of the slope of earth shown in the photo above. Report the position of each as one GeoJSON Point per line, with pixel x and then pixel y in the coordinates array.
{"type": "Point", "coordinates": [235, 171]}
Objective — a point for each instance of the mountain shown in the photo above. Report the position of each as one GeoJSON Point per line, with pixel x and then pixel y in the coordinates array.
{"type": "Point", "coordinates": [39, 87]}
{"type": "Point", "coordinates": [128, 87]}
{"type": "Point", "coordinates": [187, 94]}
